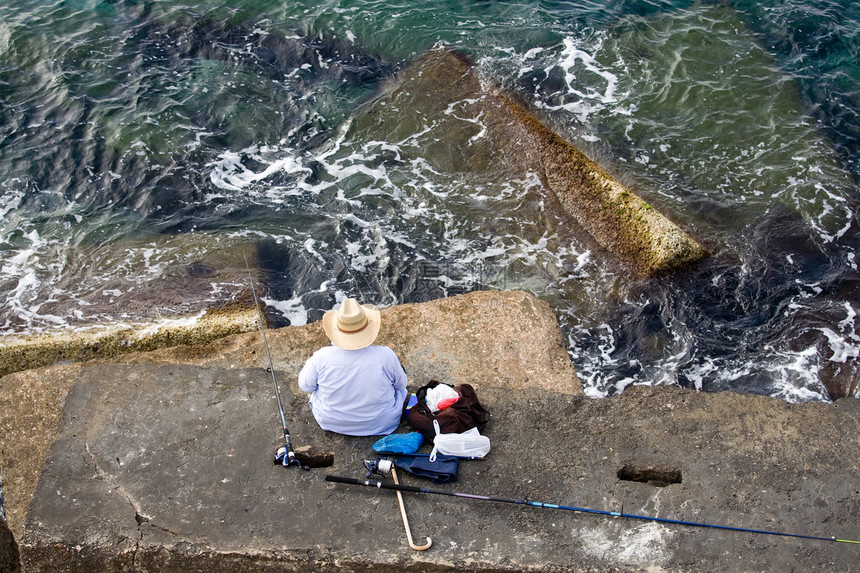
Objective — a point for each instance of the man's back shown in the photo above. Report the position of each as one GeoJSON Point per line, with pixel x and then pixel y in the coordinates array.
{"type": "Point", "coordinates": [355, 392]}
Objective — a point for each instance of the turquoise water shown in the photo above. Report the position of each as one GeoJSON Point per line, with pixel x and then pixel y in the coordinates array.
{"type": "Point", "coordinates": [140, 138]}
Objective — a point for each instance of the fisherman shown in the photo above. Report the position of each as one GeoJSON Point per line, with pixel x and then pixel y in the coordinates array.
{"type": "Point", "coordinates": [356, 388]}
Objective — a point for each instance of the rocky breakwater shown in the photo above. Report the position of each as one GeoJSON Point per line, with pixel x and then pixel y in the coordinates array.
{"type": "Point", "coordinates": [483, 128]}
{"type": "Point", "coordinates": [162, 461]}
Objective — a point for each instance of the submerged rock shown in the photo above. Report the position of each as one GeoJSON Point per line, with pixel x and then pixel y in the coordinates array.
{"type": "Point", "coordinates": [618, 219]}
{"type": "Point", "coordinates": [442, 87]}
{"type": "Point", "coordinates": [841, 379]}
{"type": "Point", "coordinates": [162, 293]}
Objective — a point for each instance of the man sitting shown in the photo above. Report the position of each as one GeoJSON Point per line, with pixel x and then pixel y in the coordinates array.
{"type": "Point", "coordinates": [356, 388]}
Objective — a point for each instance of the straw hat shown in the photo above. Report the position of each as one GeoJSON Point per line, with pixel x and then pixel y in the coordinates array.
{"type": "Point", "coordinates": [352, 326]}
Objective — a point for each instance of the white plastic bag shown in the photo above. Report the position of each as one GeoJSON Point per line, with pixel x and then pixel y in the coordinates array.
{"type": "Point", "coordinates": [439, 394]}
{"type": "Point", "coordinates": [469, 444]}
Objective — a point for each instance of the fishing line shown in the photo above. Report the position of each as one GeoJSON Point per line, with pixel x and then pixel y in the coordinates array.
{"type": "Point", "coordinates": [615, 514]}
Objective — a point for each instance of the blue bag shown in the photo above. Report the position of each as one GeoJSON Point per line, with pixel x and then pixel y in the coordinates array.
{"type": "Point", "coordinates": [442, 470]}
{"type": "Point", "coordinates": [395, 444]}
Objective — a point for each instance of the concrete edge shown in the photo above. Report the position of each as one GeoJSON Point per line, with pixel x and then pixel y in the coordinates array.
{"type": "Point", "coordinates": [23, 352]}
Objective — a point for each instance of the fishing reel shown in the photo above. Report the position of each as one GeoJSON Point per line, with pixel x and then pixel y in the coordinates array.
{"type": "Point", "coordinates": [287, 458]}
{"type": "Point", "coordinates": [379, 466]}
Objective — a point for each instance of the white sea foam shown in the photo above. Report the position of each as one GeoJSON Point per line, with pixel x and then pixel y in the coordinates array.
{"type": "Point", "coordinates": [154, 328]}
{"type": "Point", "coordinates": [230, 173]}
{"type": "Point", "coordinates": [844, 345]}
{"type": "Point", "coordinates": [589, 87]}
{"type": "Point", "coordinates": [697, 373]}
{"type": "Point", "coordinates": [310, 245]}
{"type": "Point", "coordinates": [795, 375]}
{"type": "Point", "coordinates": [10, 201]}
{"type": "Point", "coordinates": [293, 309]}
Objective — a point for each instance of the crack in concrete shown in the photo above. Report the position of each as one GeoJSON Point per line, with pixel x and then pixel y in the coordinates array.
{"type": "Point", "coordinates": [111, 482]}
{"type": "Point", "coordinates": [139, 517]}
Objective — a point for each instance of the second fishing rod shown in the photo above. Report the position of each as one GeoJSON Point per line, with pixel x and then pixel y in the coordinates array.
{"type": "Point", "coordinates": [613, 514]}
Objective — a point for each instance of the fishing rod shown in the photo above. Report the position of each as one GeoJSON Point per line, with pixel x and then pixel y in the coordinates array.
{"type": "Point", "coordinates": [415, 489]}
{"type": "Point", "coordinates": [285, 454]}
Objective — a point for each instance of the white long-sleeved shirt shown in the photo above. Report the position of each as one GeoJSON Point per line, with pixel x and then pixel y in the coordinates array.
{"type": "Point", "coordinates": [355, 392]}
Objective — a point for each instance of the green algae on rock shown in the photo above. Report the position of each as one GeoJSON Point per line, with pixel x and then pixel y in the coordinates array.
{"type": "Point", "coordinates": [424, 96]}
{"type": "Point", "coordinates": [618, 219]}
{"type": "Point", "coordinates": [21, 352]}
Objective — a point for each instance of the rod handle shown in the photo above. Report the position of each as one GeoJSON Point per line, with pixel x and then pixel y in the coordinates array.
{"type": "Point", "coordinates": [350, 481]}
{"type": "Point", "coordinates": [374, 483]}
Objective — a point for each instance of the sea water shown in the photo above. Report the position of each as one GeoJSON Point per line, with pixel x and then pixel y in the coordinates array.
{"type": "Point", "coordinates": [139, 138]}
